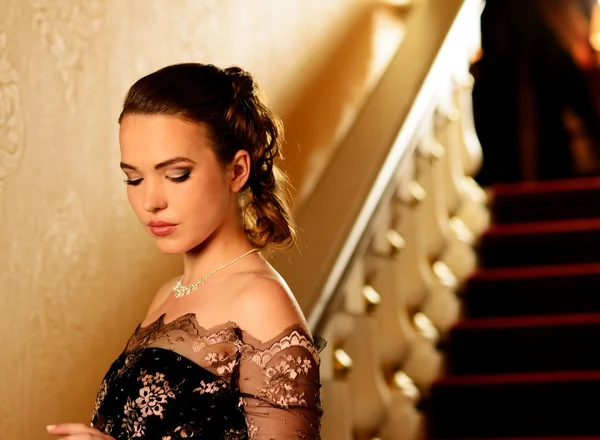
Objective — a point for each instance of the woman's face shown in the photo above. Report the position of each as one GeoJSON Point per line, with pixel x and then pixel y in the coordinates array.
{"type": "Point", "coordinates": [176, 185]}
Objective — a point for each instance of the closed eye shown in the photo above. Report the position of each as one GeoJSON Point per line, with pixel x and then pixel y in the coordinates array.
{"type": "Point", "coordinates": [133, 182]}
{"type": "Point", "coordinates": [181, 178]}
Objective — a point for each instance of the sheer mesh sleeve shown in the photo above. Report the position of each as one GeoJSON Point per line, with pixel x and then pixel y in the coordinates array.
{"type": "Point", "coordinates": [279, 385]}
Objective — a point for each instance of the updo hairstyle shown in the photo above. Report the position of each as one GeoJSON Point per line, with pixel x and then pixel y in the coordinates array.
{"type": "Point", "coordinates": [228, 105]}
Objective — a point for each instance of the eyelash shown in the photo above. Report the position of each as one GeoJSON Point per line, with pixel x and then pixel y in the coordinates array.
{"type": "Point", "coordinates": [179, 179]}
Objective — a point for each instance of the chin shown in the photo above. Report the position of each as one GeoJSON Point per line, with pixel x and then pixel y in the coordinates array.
{"type": "Point", "coordinates": [170, 247]}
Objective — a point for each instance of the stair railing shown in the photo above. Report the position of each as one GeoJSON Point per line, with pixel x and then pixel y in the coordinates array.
{"type": "Point", "coordinates": [388, 234]}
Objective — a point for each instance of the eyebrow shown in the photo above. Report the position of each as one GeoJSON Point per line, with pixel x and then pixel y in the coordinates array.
{"type": "Point", "coordinates": [158, 166]}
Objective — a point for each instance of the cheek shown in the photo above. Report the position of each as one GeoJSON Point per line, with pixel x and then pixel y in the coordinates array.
{"type": "Point", "coordinates": [135, 200]}
{"type": "Point", "coordinates": [207, 198]}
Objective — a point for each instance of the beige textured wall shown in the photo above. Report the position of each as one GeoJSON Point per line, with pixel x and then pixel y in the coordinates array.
{"type": "Point", "coordinates": [76, 271]}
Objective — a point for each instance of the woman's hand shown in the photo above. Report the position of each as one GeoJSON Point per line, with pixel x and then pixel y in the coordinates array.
{"type": "Point", "coordinates": [77, 431]}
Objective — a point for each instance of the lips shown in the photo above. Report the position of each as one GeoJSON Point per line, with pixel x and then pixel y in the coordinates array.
{"type": "Point", "coordinates": [158, 224]}
{"type": "Point", "coordinates": [160, 228]}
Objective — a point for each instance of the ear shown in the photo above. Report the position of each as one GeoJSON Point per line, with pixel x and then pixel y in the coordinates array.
{"type": "Point", "coordinates": [240, 170]}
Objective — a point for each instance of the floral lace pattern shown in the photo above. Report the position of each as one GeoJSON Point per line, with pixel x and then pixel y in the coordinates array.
{"type": "Point", "coordinates": [132, 420]}
{"type": "Point", "coordinates": [179, 380]}
{"type": "Point", "coordinates": [281, 378]}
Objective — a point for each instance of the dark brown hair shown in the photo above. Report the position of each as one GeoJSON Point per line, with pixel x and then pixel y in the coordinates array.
{"type": "Point", "coordinates": [228, 104]}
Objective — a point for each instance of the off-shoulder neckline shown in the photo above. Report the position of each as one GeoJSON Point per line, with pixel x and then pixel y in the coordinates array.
{"type": "Point", "coordinates": [160, 322]}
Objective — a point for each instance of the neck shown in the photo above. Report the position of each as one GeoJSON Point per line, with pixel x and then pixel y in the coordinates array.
{"type": "Point", "coordinates": [220, 248]}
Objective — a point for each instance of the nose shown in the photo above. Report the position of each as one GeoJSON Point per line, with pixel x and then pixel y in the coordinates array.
{"type": "Point", "coordinates": [154, 197]}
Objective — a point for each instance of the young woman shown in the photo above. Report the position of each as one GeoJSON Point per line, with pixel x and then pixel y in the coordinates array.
{"type": "Point", "coordinates": [224, 351]}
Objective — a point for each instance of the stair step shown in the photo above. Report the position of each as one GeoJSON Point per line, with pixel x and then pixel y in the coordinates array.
{"type": "Point", "coordinates": [527, 438]}
{"type": "Point", "coordinates": [541, 243]}
{"type": "Point", "coordinates": [536, 290]}
{"type": "Point", "coordinates": [524, 344]}
{"type": "Point", "coordinates": [549, 200]}
{"type": "Point", "coordinates": [555, 404]}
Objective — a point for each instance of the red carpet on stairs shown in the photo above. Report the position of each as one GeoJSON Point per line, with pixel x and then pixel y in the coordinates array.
{"type": "Point", "coordinates": [524, 363]}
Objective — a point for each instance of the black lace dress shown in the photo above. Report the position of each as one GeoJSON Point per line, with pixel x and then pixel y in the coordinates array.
{"type": "Point", "coordinates": [178, 380]}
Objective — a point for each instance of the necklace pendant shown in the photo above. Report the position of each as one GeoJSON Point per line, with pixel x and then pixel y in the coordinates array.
{"type": "Point", "coordinates": [180, 290]}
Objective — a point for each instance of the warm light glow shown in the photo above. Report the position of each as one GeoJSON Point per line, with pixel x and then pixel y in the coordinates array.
{"type": "Point", "coordinates": [403, 382]}
{"type": "Point", "coordinates": [403, 3]}
{"type": "Point", "coordinates": [595, 27]}
{"type": "Point", "coordinates": [395, 239]}
{"type": "Point", "coordinates": [444, 274]}
{"type": "Point", "coordinates": [425, 326]}
{"type": "Point", "coordinates": [343, 358]}
{"type": "Point", "coordinates": [461, 231]}
{"type": "Point", "coordinates": [371, 295]}
{"type": "Point", "coordinates": [389, 33]}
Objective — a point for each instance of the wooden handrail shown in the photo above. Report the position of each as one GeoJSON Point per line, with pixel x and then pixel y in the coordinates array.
{"type": "Point", "coordinates": [334, 219]}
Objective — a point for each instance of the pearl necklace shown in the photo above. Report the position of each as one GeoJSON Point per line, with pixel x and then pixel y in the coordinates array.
{"type": "Point", "coordinates": [180, 290]}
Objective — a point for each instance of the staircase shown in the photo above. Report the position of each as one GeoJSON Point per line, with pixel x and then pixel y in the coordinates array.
{"type": "Point", "coordinates": [439, 325]}
{"type": "Point", "coordinates": [524, 361]}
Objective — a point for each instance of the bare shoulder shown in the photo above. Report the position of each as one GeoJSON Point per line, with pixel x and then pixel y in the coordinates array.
{"type": "Point", "coordinates": [265, 306]}
{"type": "Point", "coordinates": [162, 294]}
